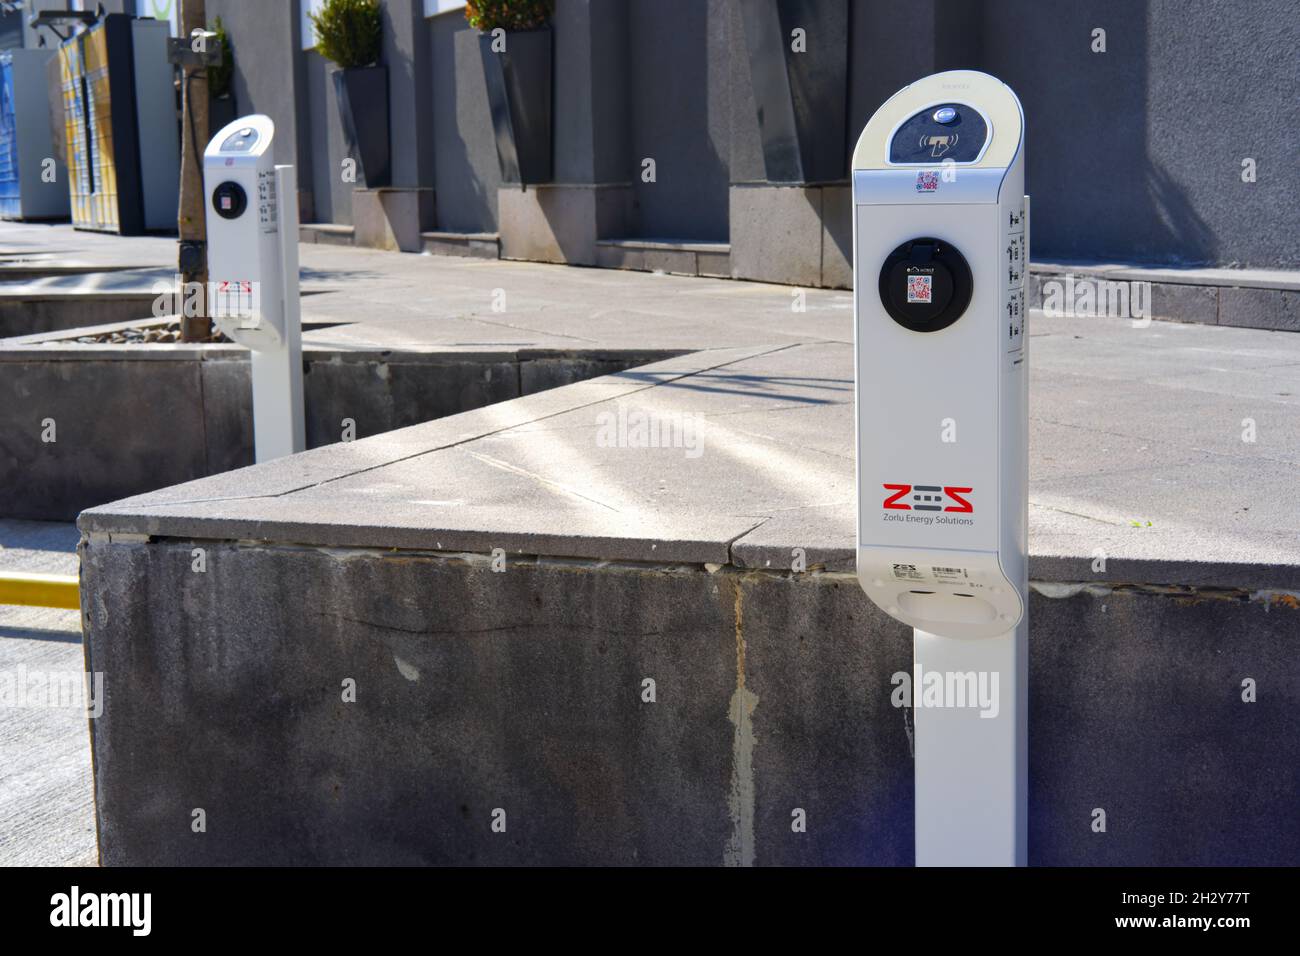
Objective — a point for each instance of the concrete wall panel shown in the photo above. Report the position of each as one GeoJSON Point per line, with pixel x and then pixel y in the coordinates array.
{"type": "Point", "coordinates": [678, 68]}
{"type": "Point", "coordinates": [1135, 154]}
{"type": "Point", "coordinates": [466, 172]}
{"type": "Point", "coordinates": [523, 691]}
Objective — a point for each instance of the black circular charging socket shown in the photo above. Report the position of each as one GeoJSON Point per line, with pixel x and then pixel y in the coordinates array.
{"type": "Point", "coordinates": [925, 284]}
{"type": "Point", "coordinates": [229, 200]}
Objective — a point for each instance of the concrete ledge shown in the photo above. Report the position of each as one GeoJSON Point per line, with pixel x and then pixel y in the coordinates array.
{"type": "Point", "coordinates": [21, 269]}
{"type": "Point", "coordinates": [676, 257]}
{"type": "Point", "coordinates": [66, 341]}
{"type": "Point", "coordinates": [1243, 298]}
{"type": "Point", "coordinates": [1260, 308]}
{"type": "Point", "coordinates": [29, 312]}
{"type": "Point", "coordinates": [560, 222]}
{"type": "Point", "coordinates": [326, 233]}
{"type": "Point", "coordinates": [1221, 278]}
{"type": "Point", "coordinates": [475, 245]}
{"type": "Point", "coordinates": [391, 218]}
{"type": "Point", "coordinates": [796, 235]}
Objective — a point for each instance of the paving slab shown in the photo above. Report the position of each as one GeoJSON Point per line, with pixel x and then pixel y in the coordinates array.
{"type": "Point", "coordinates": [1137, 452]}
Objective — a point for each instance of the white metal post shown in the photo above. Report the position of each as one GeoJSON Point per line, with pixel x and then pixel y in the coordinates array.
{"type": "Point", "coordinates": [971, 762]}
{"type": "Point", "coordinates": [278, 421]}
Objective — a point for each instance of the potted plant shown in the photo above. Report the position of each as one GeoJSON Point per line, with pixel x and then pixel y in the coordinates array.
{"type": "Point", "coordinates": [221, 100]}
{"type": "Point", "coordinates": [348, 33]}
{"type": "Point", "coordinates": [798, 66]}
{"type": "Point", "coordinates": [515, 44]}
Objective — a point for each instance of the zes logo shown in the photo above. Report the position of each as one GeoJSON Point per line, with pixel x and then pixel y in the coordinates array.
{"type": "Point", "coordinates": [928, 498]}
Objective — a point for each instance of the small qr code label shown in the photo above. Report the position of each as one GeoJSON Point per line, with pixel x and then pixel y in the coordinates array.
{"type": "Point", "coordinates": [919, 288]}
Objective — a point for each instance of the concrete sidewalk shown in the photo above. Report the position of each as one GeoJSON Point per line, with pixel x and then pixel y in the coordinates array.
{"type": "Point", "coordinates": [46, 792]}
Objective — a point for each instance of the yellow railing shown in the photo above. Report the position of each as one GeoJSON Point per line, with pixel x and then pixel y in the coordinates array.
{"type": "Point", "coordinates": [40, 590]}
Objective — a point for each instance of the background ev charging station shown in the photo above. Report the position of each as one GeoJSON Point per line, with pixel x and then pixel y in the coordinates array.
{"type": "Point", "coordinates": [940, 245]}
{"type": "Point", "coordinates": [252, 224]}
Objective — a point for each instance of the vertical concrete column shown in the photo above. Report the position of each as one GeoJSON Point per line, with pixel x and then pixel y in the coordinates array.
{"type": "Point", "coordinates": [392, 217]}
{"type": "Point", "coordinates": [268, 78]}
{"type": "Point", "coordinates": [406, 53]}
{"type": "Point", "coordinates": [588, 199]}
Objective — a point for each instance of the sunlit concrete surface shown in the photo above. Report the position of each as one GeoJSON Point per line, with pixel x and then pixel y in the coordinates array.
{"type": "Point", "coordinates": [46, 793]}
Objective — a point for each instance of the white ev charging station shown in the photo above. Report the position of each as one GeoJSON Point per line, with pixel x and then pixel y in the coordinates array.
{"type": "Point", "coordinates": [940, 246]}
{"type": "Point", "coordinates": [252, 225]}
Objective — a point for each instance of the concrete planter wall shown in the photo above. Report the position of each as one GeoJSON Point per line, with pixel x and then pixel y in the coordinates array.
{"type": "Point", "coordinates": [131, 419]}
{"type": "Point", "coordinates": [521, 691]}
{"type": "Point", "coordinates": [363, 110]}
{"type": "Point", "coordinates": [519, 94]}
{"type": "Point", "coordinates": [800, 94]}
{"type": "Point", "coordinates": [34, 312]}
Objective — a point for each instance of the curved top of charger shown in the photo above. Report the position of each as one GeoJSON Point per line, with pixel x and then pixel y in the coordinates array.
{"type": "Point", "coordinates": [986, 93]}
{"type": "Point", "coordinates": [263, 127]}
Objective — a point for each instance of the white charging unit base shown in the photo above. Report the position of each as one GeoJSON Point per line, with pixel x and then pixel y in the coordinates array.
{"type": "Point", "coordinates": [940, 235]}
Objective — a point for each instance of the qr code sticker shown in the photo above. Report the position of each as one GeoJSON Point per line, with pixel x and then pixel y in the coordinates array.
{"type": "Point", "coordinates": [918, 288]}
{"type": "Point", "coordinates": [927, 181]}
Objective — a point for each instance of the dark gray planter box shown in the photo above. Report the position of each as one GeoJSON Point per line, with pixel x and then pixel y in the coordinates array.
{"type": "Point", "coordinates": [519, 94]}
{"type": "Point", "coordinates": [363, 109]}
{"type": "Point", "coordinates": [801, 97]}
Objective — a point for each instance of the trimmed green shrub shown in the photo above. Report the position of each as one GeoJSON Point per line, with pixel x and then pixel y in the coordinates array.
{"type": "Point", "coordinates": [348, 32]}
{"type": "Point", "coordinates": [487, 15]}
{"type": "Point", "coordinates": [219, 76]}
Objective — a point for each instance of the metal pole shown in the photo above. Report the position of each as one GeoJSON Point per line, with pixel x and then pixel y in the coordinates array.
{"type": "Point", "coordinates": [278, 423]}
{"type": "Point", "coordinates": [971, 762]}
{"type": "Point", "coordinates": [191, 223]}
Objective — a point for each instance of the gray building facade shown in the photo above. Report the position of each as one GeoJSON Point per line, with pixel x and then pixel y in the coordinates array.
{"type": "Point", "coordinates": [1159, 132]}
